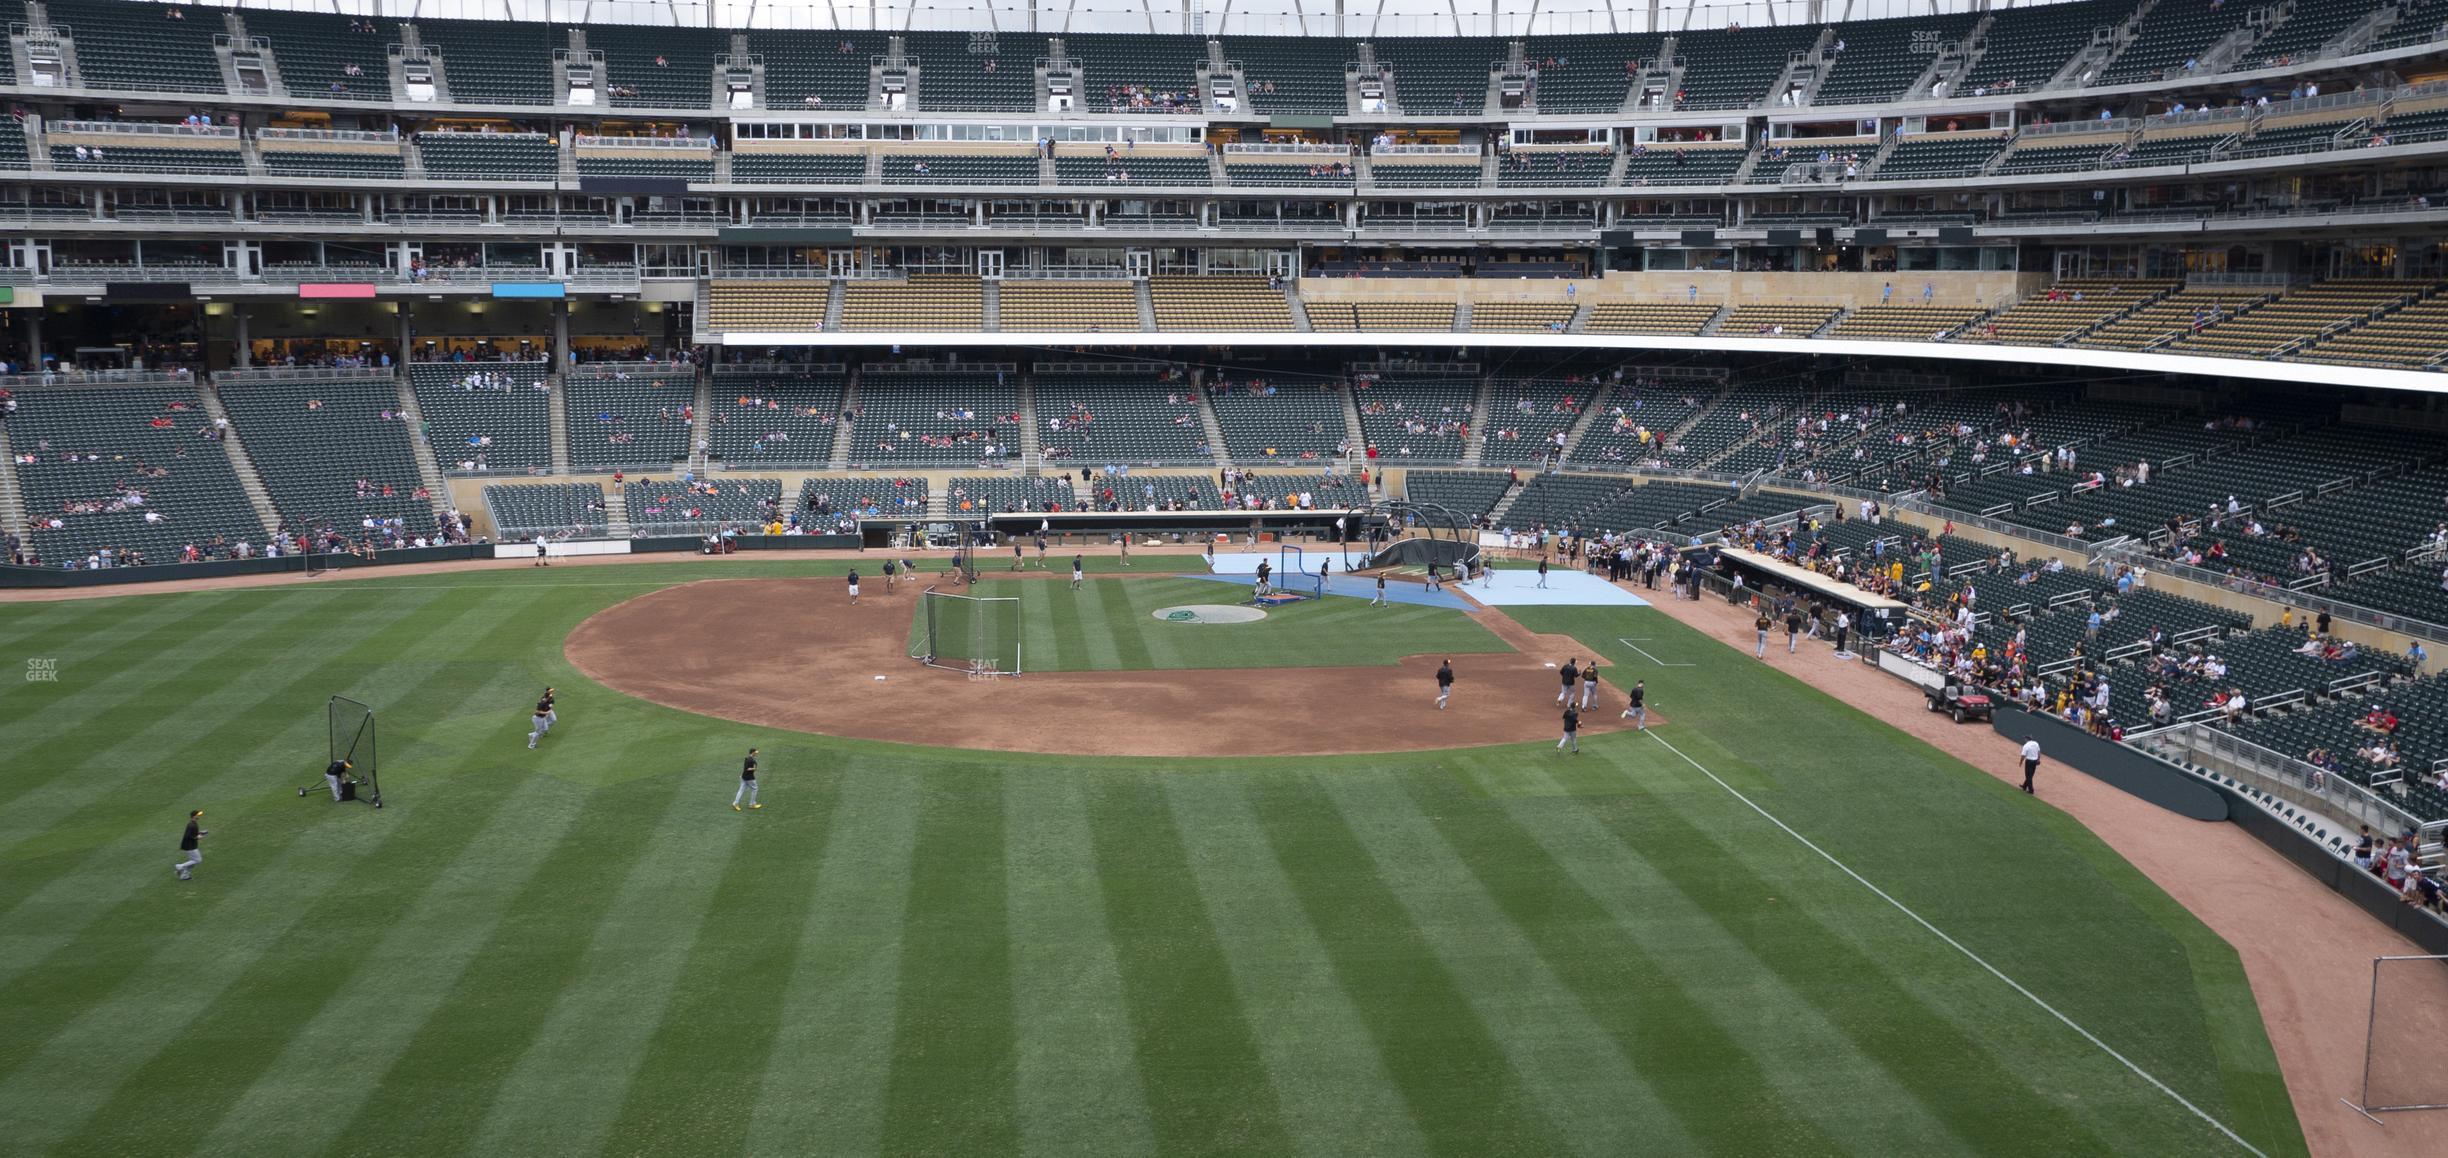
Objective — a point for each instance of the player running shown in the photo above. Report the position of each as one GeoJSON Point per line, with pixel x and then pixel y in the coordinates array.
{"type": "Point", "coordinates": [1264, 570]}
{"type": "Point", "coordinates": [1793, 629]}
{"type": "Point", "coordinates": [543, 722]}
{"type": "Point", "coordinates": [1638, 710]}
{"type": "Point", "coordinates": [748, 783]}
{"type": "Point", "coordinates": [1571, 674]}
{"type": "Point", "coordinates": [1444, 678]}
{"type": "Point", "coordinates": [1759, 649]}
{"type": "Point", "coordinates": [1572, 730]}
{"type": "Point", "coordinates": [1041, 546]}
{"type": "Point", "coordinates": [190, 843]}
{"type": "Point", "coordinates": [1589, 684]}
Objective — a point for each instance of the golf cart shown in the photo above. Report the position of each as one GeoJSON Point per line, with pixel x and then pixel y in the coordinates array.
{"type": "Point", "coordinates": [1962, 701]}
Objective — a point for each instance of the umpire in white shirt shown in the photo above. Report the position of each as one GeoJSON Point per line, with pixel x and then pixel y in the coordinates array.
{"type": "Point", "coordinates": [2031, 762]}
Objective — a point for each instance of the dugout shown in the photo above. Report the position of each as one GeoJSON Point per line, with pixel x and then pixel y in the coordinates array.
{"type": "Point", "coordinates": [1874, 616]}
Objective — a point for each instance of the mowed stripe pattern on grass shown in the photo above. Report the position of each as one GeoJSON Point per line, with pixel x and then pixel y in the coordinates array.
{"type": "Point", "coordinates": [1111, 625]}
{"type": "Point", "coordinates": [1502, 951]}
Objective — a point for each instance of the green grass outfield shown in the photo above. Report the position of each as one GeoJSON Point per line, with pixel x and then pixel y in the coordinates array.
{"type": "Point", "coordinates": [581, 949]}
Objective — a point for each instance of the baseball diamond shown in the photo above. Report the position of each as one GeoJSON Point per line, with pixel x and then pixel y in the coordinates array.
{"type": "Point", "coordinates": [1557, 578]}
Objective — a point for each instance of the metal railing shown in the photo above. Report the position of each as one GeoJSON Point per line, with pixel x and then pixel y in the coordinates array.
{"type": "Point", "coordinates": [2276, 774]}
{"type": "Point", "coordinates": [144, 129]}
{"type": "Point", "coordinates": [238, 376]}
{"type": "Point", "coordinates": [358, 136]}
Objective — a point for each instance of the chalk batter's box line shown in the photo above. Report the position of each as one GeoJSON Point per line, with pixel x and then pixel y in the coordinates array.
{"type": "Point", "coordinates": [1635, 644]}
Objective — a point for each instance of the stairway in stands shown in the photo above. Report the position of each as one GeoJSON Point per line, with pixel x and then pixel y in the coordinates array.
{"type": "Point", "coordinates": [12, 500]}
{"type": "Point", "coordinates": [429, 471]}
{"type": "Point", "coordinates": [235, 449]}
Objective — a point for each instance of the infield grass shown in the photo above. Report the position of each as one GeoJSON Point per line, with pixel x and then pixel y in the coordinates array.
{"type": "Point", "coordinates": [1111, 625]}
{"type": "Point", "coordinates": [583, 949]}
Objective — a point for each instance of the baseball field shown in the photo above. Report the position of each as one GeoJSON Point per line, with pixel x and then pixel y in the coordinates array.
{"type": "Point", "coordinates": [1771, 924]}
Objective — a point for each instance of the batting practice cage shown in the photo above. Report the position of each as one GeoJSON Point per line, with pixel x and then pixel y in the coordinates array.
{"type": "Point", "coordinates": [968, 633]}
{"type": "Point", "coordinates": [2403, 1065]}
{"type": "Point", "coordinates": [352, 739]}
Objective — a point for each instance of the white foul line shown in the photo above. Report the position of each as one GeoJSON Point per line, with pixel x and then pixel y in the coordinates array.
{"type": "Point", "coordinates": [1645, 651]}
{"type": "Point", "coordinates": [2145, 1075]}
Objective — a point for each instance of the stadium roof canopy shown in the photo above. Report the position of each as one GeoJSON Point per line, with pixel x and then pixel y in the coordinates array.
{"type": "Point", "coordinates": [1348, 18]}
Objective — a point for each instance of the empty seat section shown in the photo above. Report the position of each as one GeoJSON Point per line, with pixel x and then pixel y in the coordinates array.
{"type": "Point", "coordinates": [138, 46]}
{"type": "Point", "coordinates": [2300, 315]}
{"type": "Point", "coordinates": [1218, 302]}
{"type": "Point", "coordinates": [2025, 159]}
{"type": "Point", "coordinates": [1519, 317]}
{"type": "Point", "coordinates": [2068, 308]}
{"type": "Point", "coordinates": [1939, 156]}
{"type": "Point", "coordinates": [1905, 323]}
{"type": "Point", "coordinates": [1131, 169]}
{"type": "Point", "coordinates": [960, 169]}
{"type": "Point", "coordinates": [1105, 419]}
{"type": "Point", "coordinates": [532, 510]}
{"type": "Point", "coordinates": [490, 156]}
{"type": "Point", "coordinates": [148, 159]}
{"type": "Point", "coordinates": [763, 418]}
{"type": "Point", "coordinates": [1271, 420]}
{"type": "Point", "coordinates": [1386, 175]}
{"type": "Point", "coordinates": [799, 168]}
{"type": "Point", "coordinates": [2169, 317]}
{"type": "Point", "coordinates": [1776, 321]}
{"type": "Point", "coordinates": [1468, 493]}
{"type": "Point", "coordinates": [2411, 337]}
{"type": "Point", "coordinates": [2026, 47]}
{"type": "Point", "coordinates": [925, 301]}
{"type": "Point", "coordinates": [2303, 137]}
{"type": "Point", "coordinates": [1688, 165]}
{"type": "Point", "coordinates": [1443, 74]}
{"type": "Point", "coordinates": [2173, 33]}
{"type": "Point", "coordinates": [332, 454]}
{"type": "Point", "coordinates": [811, 69]}
{"type": "Point", "coordinates": [1648, 317]}
{"type": "Point", "coordinates": [636, 421]}
{"type": "Point", "coordinates": [492, 416]}
{"type": "Point", "coordinates": [1584, 170]}
{"type": "Point", "coordinates": [766, 305]}
{"type": "Point", "coordinates": [1293, 74]}
{"type": "Point", "coordinates": [315, 52]}
{"type": "Point", "coordinates": [12, 144]}
{"type": "Point", "coordinates": [659, 66]}
{"type": "Point", "coordinates": [494, 62]}
{"type": "Point", "coordinates": [1590, 73]}
{"type": "Point", "coordinates": [1437, 317]}
{"type": "Point", "coordinates": [934, 417]}
{"type": "Point", "coordinates": [958, 72]}
{"type": "Point", "coordinates": [2309, 25]}
{"type": "Point", "coordinates": [1325, 174]}
{"type": "Point", "coordinates": [1882, 58]}
{"type": "Point", "coordinates": [125, 468]}
{"type": "Point", "coordinates": [1067, 306]}
{"type": "Point", "coordinates": [1733, 68]}
{"type": "Point", "coordinates": [372, 166]}
{"type": "Point", "coordinates": [688, 166]}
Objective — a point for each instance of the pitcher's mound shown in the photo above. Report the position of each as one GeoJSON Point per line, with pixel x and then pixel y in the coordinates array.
{"type": "Point", "coordinates": [1210, 613]}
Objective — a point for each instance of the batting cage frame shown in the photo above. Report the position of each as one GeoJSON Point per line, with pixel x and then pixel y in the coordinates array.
{"type": "Point", "coordinates": [977, 634]}
{"type": "Point", "coordinates": [352, 738]}
{"type": "Point", "coordinates": [2409, 1012]}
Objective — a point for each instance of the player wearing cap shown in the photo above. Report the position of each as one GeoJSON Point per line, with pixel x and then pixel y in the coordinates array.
{"type": "Point", "coordinates": [748, 783]}
{"type": "Point", "coordinates": [189, 842]}
{"type": "Point", "coordinates": [1444, 678]}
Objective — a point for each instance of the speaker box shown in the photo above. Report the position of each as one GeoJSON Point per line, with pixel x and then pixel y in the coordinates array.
{"type": "Point", "coordinates": [1870, 236]}
{"type": "Point", "coordinates": [1826, 235]}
